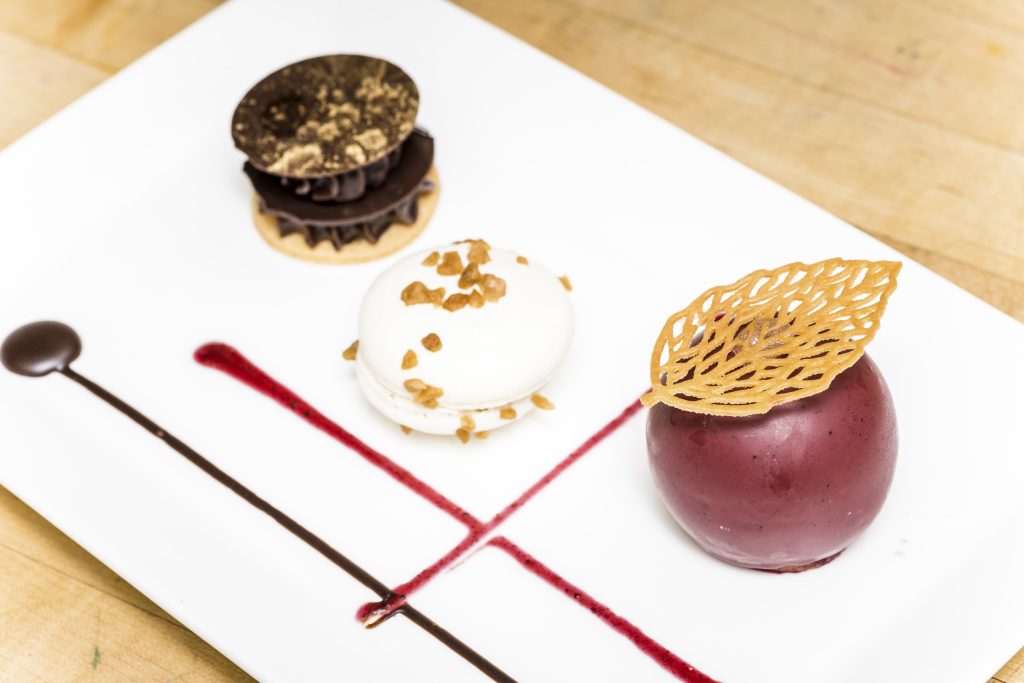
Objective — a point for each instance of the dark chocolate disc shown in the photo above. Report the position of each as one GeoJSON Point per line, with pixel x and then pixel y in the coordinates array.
{"type": "Point", "coordinates": [40, 348]}
{"type": "Point", "coordinates": [326, 115]}
{"type": "Point", "coordinates": [400, 184]}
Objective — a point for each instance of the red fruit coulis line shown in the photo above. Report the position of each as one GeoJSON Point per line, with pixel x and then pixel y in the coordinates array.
{"type": "Point", "coordinates": [477, 533]}
{"type": "Point", "coordinates": [662, 655]}
{"type": "Point", "coordinates": [228, 360]}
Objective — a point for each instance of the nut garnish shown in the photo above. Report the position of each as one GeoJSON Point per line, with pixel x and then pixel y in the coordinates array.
{"type": "Point", "coordinates": [771, 337]}
{"type": "Point", "coordinates": [492, 287]}
{"type": "Point", "coordinates": [456, 301]}
{"type": "Point", "coordinates": [431, 342]}
{"type": "Point", "coordinates": [565, 283]}
{"type": "Point", "coordinates": [482, 435]}
{"type": "Point", "coordinates": [542, 402]}
{"type": "Point", "coordinates": [414, 386]}
{"type": "Point", "coordinates": [350, 352]}
{"type": "Point", "coordinates": [479, 252]}
{"type": "Point", "coordinates": [451, 264]}
{"type": "Point", "coordinates": [507, 413]}
{"type": "Point", "coordinates": [423, 393]}
{"type": "Point", "coordinates": [409, 360]}
{"type": "Point", "coordinates": [470, 276]}
{"type": "Point", "coordinates": [406, 430]}
{"type": "Point", "coordinates": [523, 260]}
{"type": "Point", "coordinates": [467, 423]}
{"type": "Point", "coordinates": [419, 293]}
{"type": "Point", "coordinates": [463, 435]}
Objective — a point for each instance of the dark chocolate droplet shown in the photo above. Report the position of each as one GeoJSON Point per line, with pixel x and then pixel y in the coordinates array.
{"type": "Point", "coordinates": [40, 348]}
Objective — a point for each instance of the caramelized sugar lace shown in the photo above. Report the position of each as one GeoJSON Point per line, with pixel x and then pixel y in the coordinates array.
{"type": "Point", "coordinates": [771, 337]}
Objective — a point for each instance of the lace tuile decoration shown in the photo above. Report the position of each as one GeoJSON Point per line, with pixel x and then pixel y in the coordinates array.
{"type": "Point", "coordinates": [771, 337]}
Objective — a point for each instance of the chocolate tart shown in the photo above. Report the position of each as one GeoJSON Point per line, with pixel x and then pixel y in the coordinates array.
{"type": "Point", "coordinates": [335, 159]}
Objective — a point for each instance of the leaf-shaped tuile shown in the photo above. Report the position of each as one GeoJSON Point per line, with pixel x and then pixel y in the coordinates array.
{"type": "Point", "coordinates": [771, 337]}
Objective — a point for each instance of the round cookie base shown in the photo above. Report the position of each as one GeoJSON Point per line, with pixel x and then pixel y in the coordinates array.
{"type": "Point", "coordinates": [395, 238]}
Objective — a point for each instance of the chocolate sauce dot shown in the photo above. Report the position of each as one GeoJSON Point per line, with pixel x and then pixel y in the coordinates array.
{"type": "Point", "coordinates": [38, 349]}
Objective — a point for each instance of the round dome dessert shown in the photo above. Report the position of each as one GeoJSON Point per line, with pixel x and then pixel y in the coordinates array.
{"type": "Point", "coordinates": [772, 437]}
{"type": "Point", "coordinates": [339, 170]}
{"type": "Point", "coordinates": [462, 339]}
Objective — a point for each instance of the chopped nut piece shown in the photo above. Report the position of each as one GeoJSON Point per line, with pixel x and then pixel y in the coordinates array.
{"type": "Point", "coordinates": [415, 293]}
{"type": "Point", "coordinates": [350, 352]}
{"type": "Point", "coordinates": [451, 264]}
{"type": "Point", "coordinates": [406, 430]}
{"type": "Point", "coordinates": [455, 302]}
{"type": "Point", "coordinates": [419, 293]}
{"type": "Point", "coordinates": [432, 260]}
{"type": "Point", "coordinates": [507, 413]}
{"type": "Point", "coordinates": [492, 287]}
{"type": "Point", "coordinates": [467, 423]}
{"type": "Point", "coordinates": [542, 402]}
{"type": "Point", "coordinates": [470, 276]}
{"type": "Point", "coordinates": [409, 360]}
{"type": "Point", "coordinates": [476, 299]}
{"type": "Point", "coordinates": [423, 393]}
{"type": "Point", "coordinates": [565, 282]}
{"type": "Point", "coordinates": [482, 435]}
{"type": "Point", "coordinates": [463, 435]}
{"type": "Point", "coordinates": [522, 259]}
{"type": "Point", "coordinates": [414, 386]}
{"type": "Point", "coordinates": [432, 342]}
{"type": "Point", "coordinates": [479, 252]}
{"type": "Point", "coordinates": [429, 394]}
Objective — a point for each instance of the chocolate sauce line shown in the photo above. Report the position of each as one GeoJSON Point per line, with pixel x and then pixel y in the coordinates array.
{"type": "Point", "coordinates": [302, 533]}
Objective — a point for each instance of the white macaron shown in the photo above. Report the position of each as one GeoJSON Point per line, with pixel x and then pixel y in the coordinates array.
{"type": "Point", "coordinates": [462, 338]}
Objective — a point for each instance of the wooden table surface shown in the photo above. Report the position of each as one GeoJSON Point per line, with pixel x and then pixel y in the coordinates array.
{"type": "Point", "coordinates": [900, 116]}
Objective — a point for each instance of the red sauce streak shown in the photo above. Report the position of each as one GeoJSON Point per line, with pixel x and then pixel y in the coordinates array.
{"type": "Point", "coordinates": [645, 643]}
{"type": "Point", "coordinates": [228, 360]}
{"type": "Point", "coordinates": [478, 532]}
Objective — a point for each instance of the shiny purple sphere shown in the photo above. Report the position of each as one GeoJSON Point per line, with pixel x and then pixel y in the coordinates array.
{"type": "Point", "coordinates": [783, 491]}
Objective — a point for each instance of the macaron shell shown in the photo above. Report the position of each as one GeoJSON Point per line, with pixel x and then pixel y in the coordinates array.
{"type": "Point", "coordinates": [402, 410]}
{"type": "Point", "coordinates": [490, 356]}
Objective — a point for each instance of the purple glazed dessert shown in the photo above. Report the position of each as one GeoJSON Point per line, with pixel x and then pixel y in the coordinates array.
{"type": "Point", "coordinates": [772, 438]}
{"type": "Point", "coordinates": [787, 490]}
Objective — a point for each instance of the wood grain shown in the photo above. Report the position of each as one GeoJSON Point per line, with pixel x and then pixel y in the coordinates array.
{"type": "Point", "coordinates": [36, 81]}
{"type": "Point", "coordinates": [65, 616]}
{"type": "Point", "coordinates": [899, 116]}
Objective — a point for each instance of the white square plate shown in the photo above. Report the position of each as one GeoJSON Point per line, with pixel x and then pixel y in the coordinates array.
{"type": "Point", "coordinates": [127, 216]}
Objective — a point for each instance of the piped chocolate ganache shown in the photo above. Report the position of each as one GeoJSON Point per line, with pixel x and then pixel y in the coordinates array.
{"type": "Point", "coordinates": [333, 152]}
